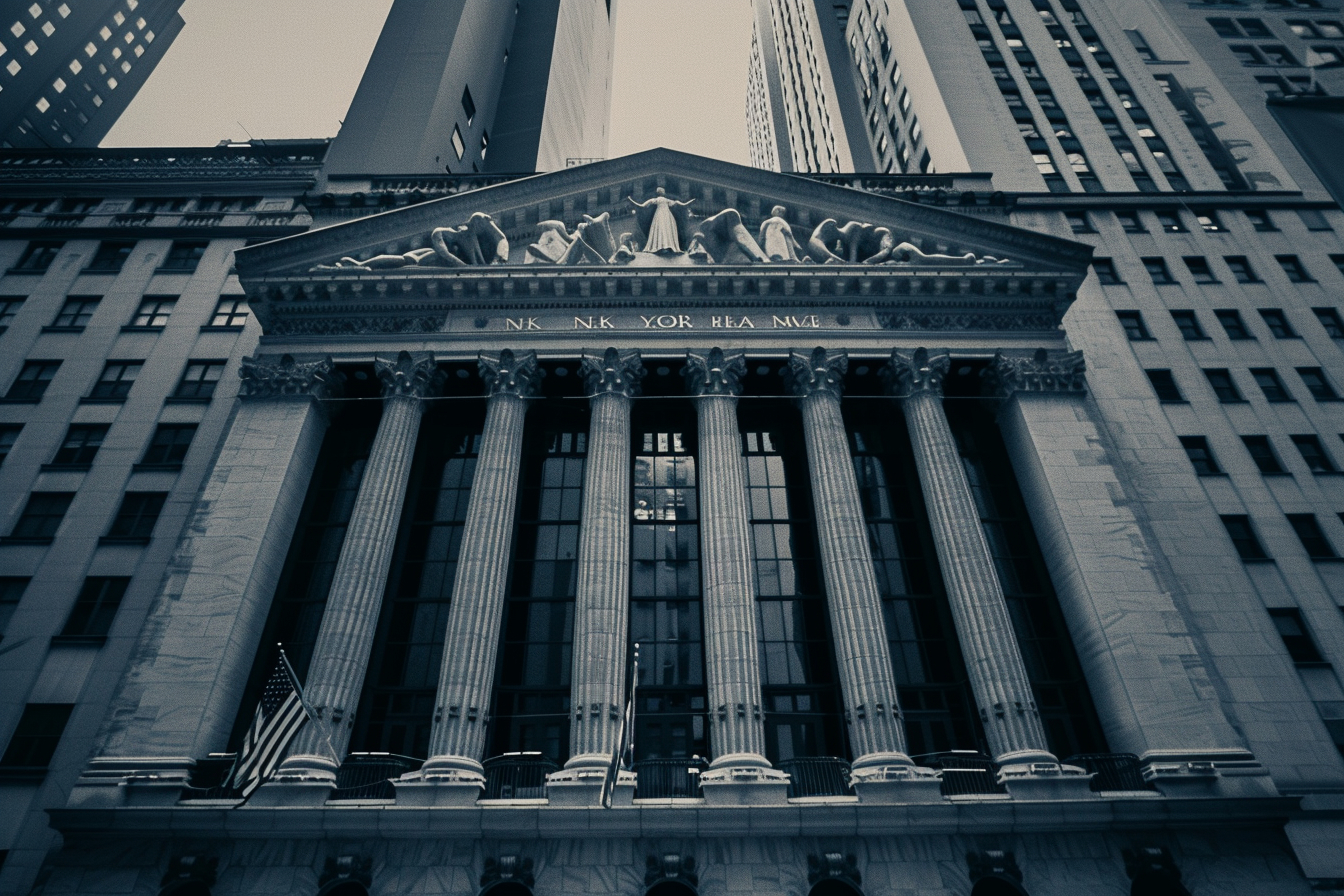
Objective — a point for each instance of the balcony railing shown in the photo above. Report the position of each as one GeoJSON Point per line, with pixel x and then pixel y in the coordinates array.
{"type": "Point", "coordinates": [965, 773]}
{"type": "Point", "coordinates": [817, 776]}
{"type": "Point", "coordinates": [517, 776]}
{"type": "Point", "coordinates": [661, 779]}
{"type": "Point", "coordinates": [1113, 771]}
{"type": "Point", "coordinates": [368, 776]}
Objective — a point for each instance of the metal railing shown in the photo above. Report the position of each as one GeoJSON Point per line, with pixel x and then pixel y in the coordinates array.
{"type": "Point", "coordinates": [817, 776]}
{"type": "Point", "coordinates": [965, 773]}
{"type": "Point", "coordinates": [517, 776]}
{"type": "Point", "coordinates": [368, 776]}
{"type": "Point", "coordinates": [1113, 771]}
{"type": "Point", "coordinates": [668, 778]}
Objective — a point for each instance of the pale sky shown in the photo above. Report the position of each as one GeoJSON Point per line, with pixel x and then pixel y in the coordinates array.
{"type": "Point", "coordinates": [288, 68]}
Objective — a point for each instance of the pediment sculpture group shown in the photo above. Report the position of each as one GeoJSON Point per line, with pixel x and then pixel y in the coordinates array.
{"type": "Point", "coordinates": [671, 235]}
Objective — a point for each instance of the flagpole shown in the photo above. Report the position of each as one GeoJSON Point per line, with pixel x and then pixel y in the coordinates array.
{"type": "Point", "coordinates": [634, 686]}
{"type": "Point", "coordinates": [312, 716]}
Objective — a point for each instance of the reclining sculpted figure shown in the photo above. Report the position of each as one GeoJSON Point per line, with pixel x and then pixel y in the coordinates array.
{"type": "Point", "coordinates": [478, 241]}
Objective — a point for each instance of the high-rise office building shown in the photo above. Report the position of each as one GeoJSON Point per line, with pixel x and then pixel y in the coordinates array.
{"type": "Point", "coordinates": [971, 528]}
{"type": "Point", "coordinates": [69, 68]}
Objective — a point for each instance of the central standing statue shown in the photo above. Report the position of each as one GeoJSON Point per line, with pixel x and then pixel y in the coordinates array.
{"type": "Point", "coordinates": [662, 219]}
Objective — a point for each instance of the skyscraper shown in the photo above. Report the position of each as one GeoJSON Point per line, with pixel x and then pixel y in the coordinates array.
{"type": "Point", "coordinates": [69, 68]}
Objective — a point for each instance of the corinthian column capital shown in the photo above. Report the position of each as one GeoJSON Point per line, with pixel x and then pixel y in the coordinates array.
{"type": "Point", "coordinates": [1042, 372]}
{"type": "Point", "coordinates": [508, 373]}
{"type": "Point", "coordinates": [615, 373]}
{"type": "Point", "coordinates": [820, 371]}
{"type": "Point", "coordinates": [715, 372]}
{"type": "Point", "coordinates": [267, 376]}
{"type": "Point", "coordinates": [408, 375]}
{"type": "Point", "coordinates": [916, 373]}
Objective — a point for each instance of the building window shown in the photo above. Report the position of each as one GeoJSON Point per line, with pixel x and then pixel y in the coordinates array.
{"type": "Point", "coordinates": [9, 308]}
{"type": "Point", "coordinates": [1318, 547]}
{"type": "Point", "coordinates": [1293, 268]}
{"type": "Point", "coordinates": [199, 380]}
{"type": "Point", "coordinates": [1313, 220]}
{"type": "Point", "coordinates": [169, 444]}
{"type": "Point", "coordinates": [1260, 220]}
{"type": "Point", "coordinates": [1209, 221]}
{"type": "Point", "coordinates": [1315, 380]}
{"type": "Point", "coordinates": [1243, 537]}
{"type": "Point", "coordinates": [184, 255]}
{"type": "Point", "coordinates": [1201, 456]}
{"type": "Point", "coordinates": [1135, 329]}
{"type": "Point", "coordinates": [1164, 385]}
{"type": "Point", "coordinates": [111, 256]}
{"type": "Point", "coordinates": [116, 381]}
{"type": "Point", "coordinates": [468, 105]}
{"type": "Point", "coordinates": [37, 257]}
{"type": "Point", "coordinates": [1079, 223]}
{"type": "Point", "coordinates": [1188, 324]}
{"type": "Point", "coordinates": [1338, 261]}
{"type": "Point", "coordinates": [1232, 323]}
{"type": "Point", "coordinates": [1225, 27]}
{"type": "Point", "coordinates": [95, 608]}
{"type": "Point", "coordinates": [1270, 384]}
{"type": "Point", "coordinates": [82, 441]}
{"type": "Point", "coordinates": [1157, 270]}
{"type": "Point", "coordinates": [136, 517]}
{"type": "Point", "coordinates": [1313, 454]}
{"type": "Point", "coordinates": [11, 592]}
{"type": "Point", "coordinates": [1199, 269]}
{"type": "Point", "coordinates": [1105, 269]}
{"type": "Point", "coordinates": [75, 313]}
{"type": "Point", "coordinates": [9, 434]}
{"type": "Point", "coordinates": [42, 516]}
{"type": "Point", "coordinates": [230, 312]}
{"type": "Point", "coordinates": [35, 739]}
{"type": "Point", "coordinates": [485, 143]}
{"type": "Point", "coordinates": [153, 312]}
{"type": "Point", "coordinates": [1220, 380]}
{"type": "Point", "coordinates": [1262, 452]}
{"type": "Point", "coordinates": [1131, 222]}
{"type": "Point", "coordinates": [32, 381]}
{"type": "Point", "coordinates": [1293, 631]}
{"type": "Point", "coordinates": [459, 148]}
{"type": "Point", "coordinates": [1331, 322]}
{"type": "Point", "coordinates": [1241, 268]}
{"type": "Point", "coordinates": [1170, 222]}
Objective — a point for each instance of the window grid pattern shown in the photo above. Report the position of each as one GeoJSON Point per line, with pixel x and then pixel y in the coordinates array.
{"type": "Point", "coordinates": [42, 515]}
{"type": "Point", "coordinates": [137, 515]}
{"type": "Point", "coordinates": [168, 446]}
{"type": "Point", "coordinates": [95, 607]}
{"type": "Point", "coordinates": [81, 444]}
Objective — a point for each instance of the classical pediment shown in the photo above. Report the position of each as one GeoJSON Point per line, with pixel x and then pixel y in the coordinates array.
{"type": "Point", "coordinates": [630, 230]}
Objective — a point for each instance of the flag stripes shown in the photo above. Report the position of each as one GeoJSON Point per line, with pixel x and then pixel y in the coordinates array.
{"type": "Point", "coordinates": [279, 716]}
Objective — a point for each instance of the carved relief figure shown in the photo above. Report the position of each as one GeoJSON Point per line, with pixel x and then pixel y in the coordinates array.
{"type": "Point", "coordinates": [776, 238]}
{"type": "Point", "coordinates": [662, 221]}
{"type": "Point", "coordinates": [478, 241]}
{"type": "Point", "coordinates": [718, 235]}
{"type": "Point", "coordinates": [590, 243]}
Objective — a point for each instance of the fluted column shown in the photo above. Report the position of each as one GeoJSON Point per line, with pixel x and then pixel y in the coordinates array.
{"type": "Point", "coordinates": [732, 664]}
{"type": "Point", "coordinates": [345, 639]}
{"type": "Point", "coordinates": [993, 661]}
{"type": "Point", "coordinates": [602, 597]}
{"type": "Point", "coordinates": [872, 714]}
{"type": "Point", "coordinates": [462, 705]}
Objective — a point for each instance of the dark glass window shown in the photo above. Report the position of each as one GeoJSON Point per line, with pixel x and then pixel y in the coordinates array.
{"type": "Point", "coordinates": [933, 689]}
{"type": "Point", "coordinates": [1278, 324]}
{"type": "Point", "coordinates": [1319, 387]}
{"type": "Point", "coordinates": [536, 650]}
{"type": "Point", "coordinates": [9, 309]}
{"type": "Point", "coordinates": [230, 312]}
{"type": "Point", "coordinates": [1199, 268]}
{"type": "Point", "coordinates": [1270, 384]}
{"type": "Point", "coordinates": [1079, 223]}
{"type": "Point", "coordinates": [199, 380]}
{"type": "Point", "coordinates": [1314, 454]}
{"type": "Point", "coordinates": [1313, 539]}
{"type": "Point", "coordinates": [1260, 220]}
{"type": "Point", "coordinates": [154, 311]}
{"type": "Point", "coordinates": [38, 257]}
{"type": "Point", "coordinates": [9, 434]}
{"type": "Point", "coordinates": [184, 255]}
{"type": "Point", "coordinates": [1330, 321]}
{"type": "Point", "coordinates": [1262, 452]}
{"type": "Point", "coordinates": [1292, 267]}
{"type": "Point", "coordinates": [1232, 323]}
{"type": "Point", "coordinates": [116, 380]}
{"type": "Point", "coordinates": [1106, 272]}
{"type": "Point", "coordinates": [1224, 27]}
{"type": "Point", "coordinates": [1135, 328]}
{"type": "Point", "coordinates": [111, 255]}
{"type": "Point", "coordinates": [32, 381]}
{"type": "Point", "coordinates": [1171, 222]}
{"type": "Point", "coordinates": [1131, 222]}
{"type": "Point", "coordinates": [76, 312]}
{"type": "Point", "coordinates": [798, 677]}
{"type": "Point", "coordinates": [1201, 456]}
{"type": "Point", "coordinates": [42, 515]}
{"type": "Point", "coordinates": [1157, 269]}
{"type": "Point", "coordinates": [1188, 324]}
{"type": "Point", "coordinates": [468, 105]}
{"type": "Point", "coordinates": [1209, 221]}
{"type": "Point", "coordinates": [137, 515]}
{"type": "Point", "coordinates": [1243, 537]}
{"type": "Point", "coordinates": [82, 441]}
{"type": "Point", "coordinates": [11, 592]}
{"type": "Point", "coordinates": [1293, 630]}
{"type": "Point", "coordinates": [169, 444]}
{"type": "Point", "coordinates": [36, 736]}
{"type": "Point", "coordinates": [1220, 380]}
{"type": "Point", "coordinates": [1241, 268]}
{"type": "Point", "coordinates": [1164, 385]}
{"type": "Point", "coordinates": [96, 607]}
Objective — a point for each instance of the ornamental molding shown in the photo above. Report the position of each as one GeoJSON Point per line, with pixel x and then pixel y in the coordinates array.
{"type": "Point", "coordinates": [511, 373]}
{"type": "Point", "coordinates": [715, 372]}
{"type": "Point", "coordinates": [268, 376]}
{"type": "Point", "coordinates": [356, 326]}
{"type": "Point", "coordinates": [917, 373]}
{"type": "Point", "coordinates": [614, 373]}
{"type": "Point", "coordinates": [817, 372]}
{"type": "Point", "coordinates": [409, 375]}
{"type": "Point", "coordinates": [1043, 371]}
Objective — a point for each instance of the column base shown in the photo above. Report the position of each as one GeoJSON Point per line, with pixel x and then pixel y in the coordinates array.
{"type": "Point", "coordinates": [442, 781]}
{"type": "Point", "coordinates": [893, 778]}
{"type": "Point", "coordinates": [581, 786]}
{"type": "Point", "coordinates": [299, 781]}
{"type": "Point", "coordinates": [1219, 774]}
{"type": "Point", "coordinates": [744, 779]}
{"type": "Point", "coordinates": [1047, 781]}
{"type": "Point", "coordinates": [113, 781]}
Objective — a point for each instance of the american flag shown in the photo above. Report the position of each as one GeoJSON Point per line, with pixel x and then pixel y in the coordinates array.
{"type": "Point", "coordinates": [279, 716]}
